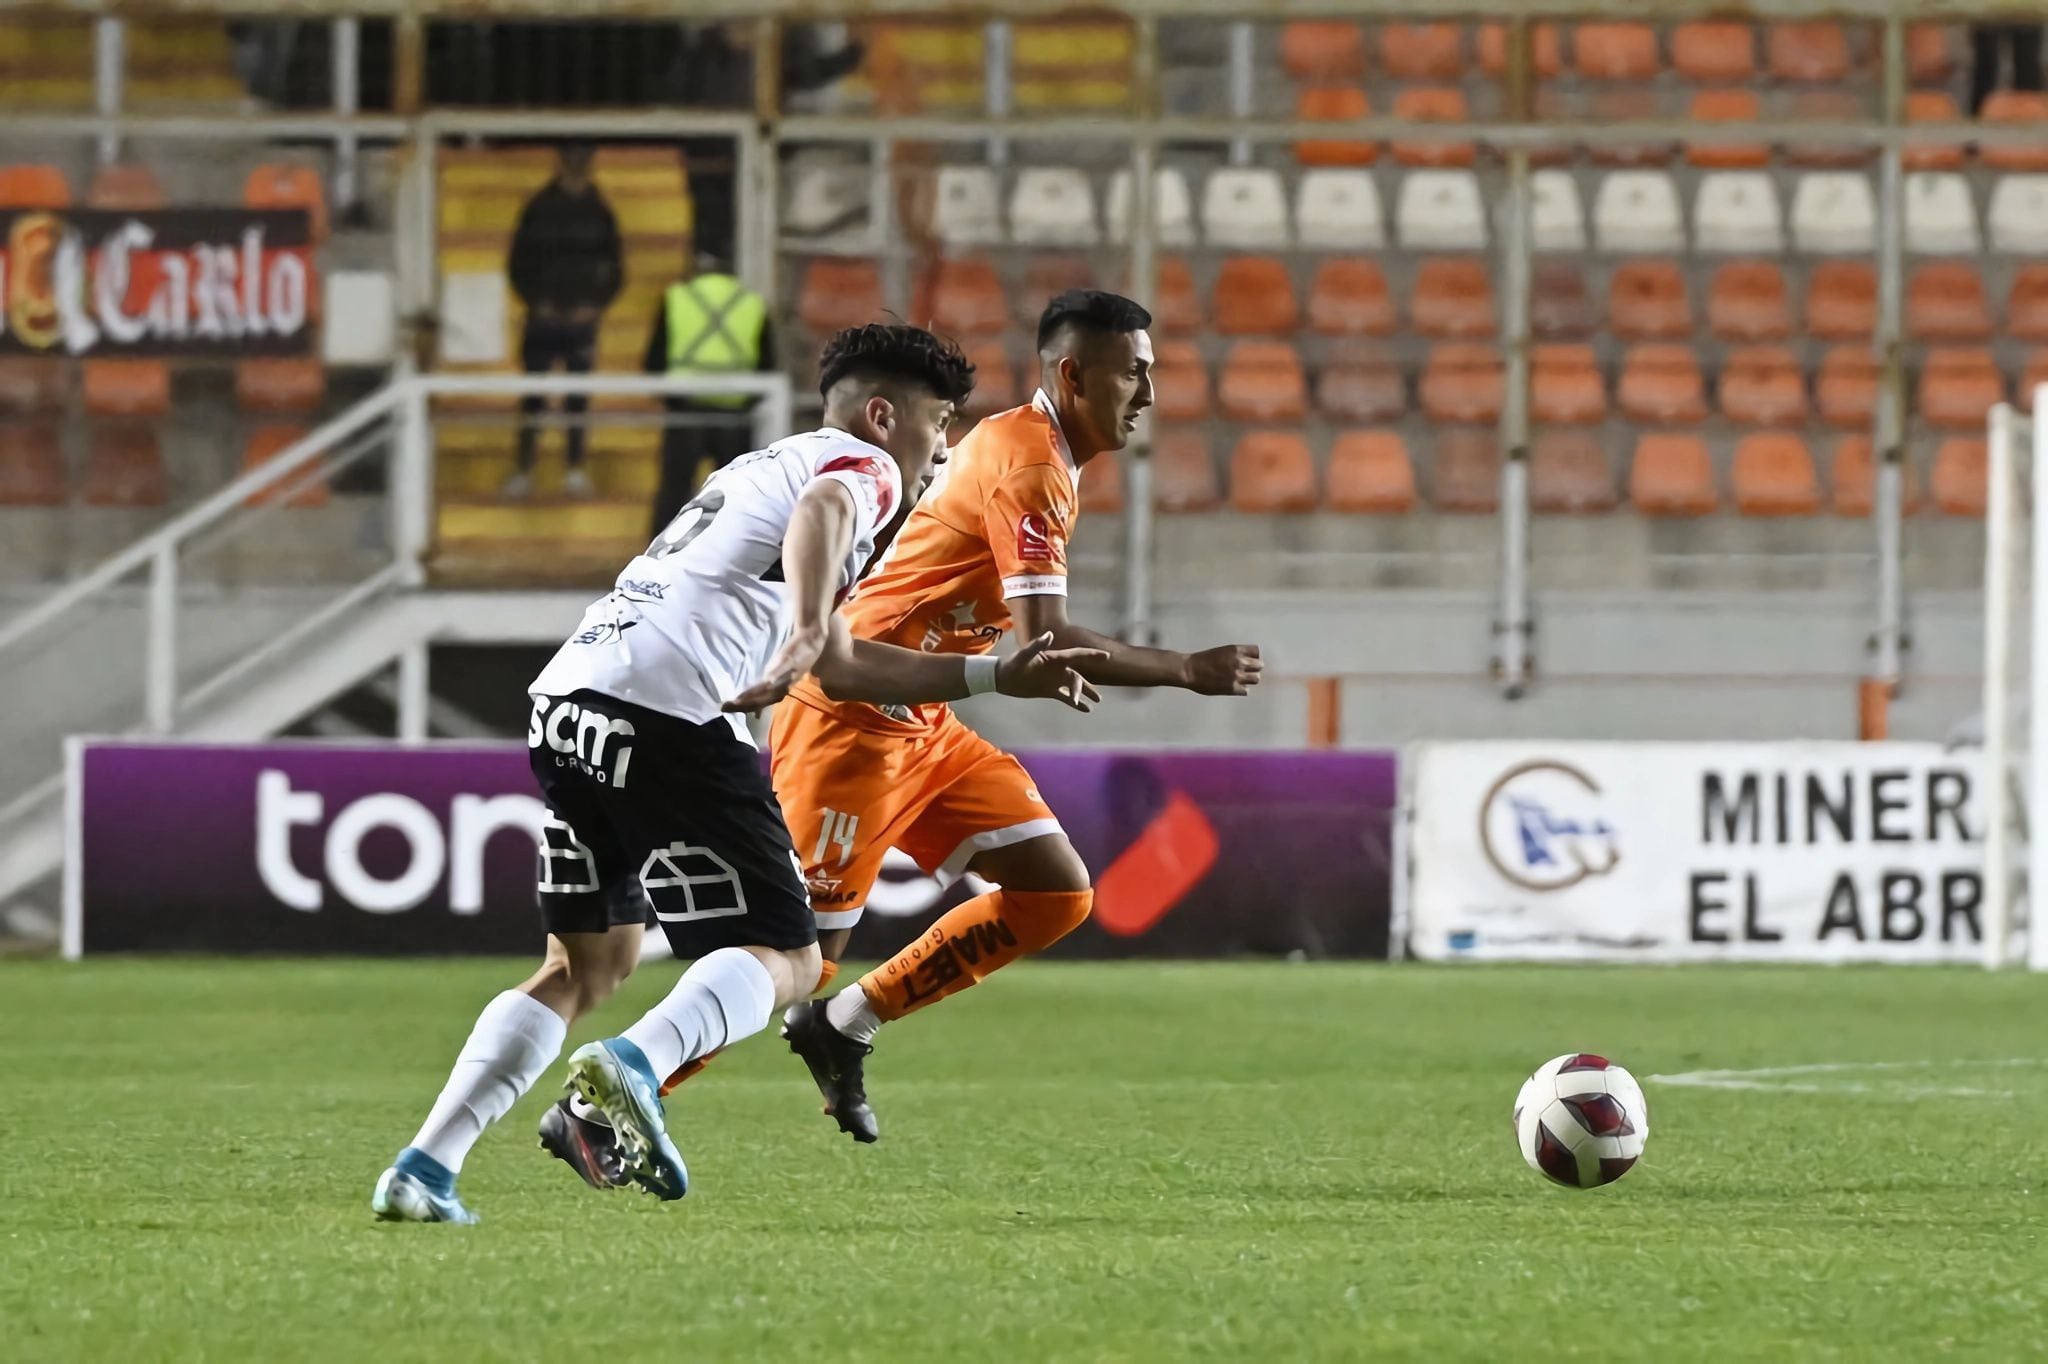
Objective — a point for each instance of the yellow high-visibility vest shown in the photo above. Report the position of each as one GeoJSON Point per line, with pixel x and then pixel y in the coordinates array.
{"type": "Point", "coordinates": [714, 327]}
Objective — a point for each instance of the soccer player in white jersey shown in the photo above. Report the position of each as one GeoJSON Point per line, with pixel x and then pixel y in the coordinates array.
{"type": "Point", "coordinates": [656, 796]}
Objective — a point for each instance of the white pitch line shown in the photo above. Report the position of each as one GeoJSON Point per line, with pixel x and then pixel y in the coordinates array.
{"type": "Point", "coordinates": [1778, 1078]}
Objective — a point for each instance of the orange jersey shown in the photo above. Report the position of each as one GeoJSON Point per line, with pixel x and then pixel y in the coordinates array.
{"type": "Point", "coordinates": [994, 526]}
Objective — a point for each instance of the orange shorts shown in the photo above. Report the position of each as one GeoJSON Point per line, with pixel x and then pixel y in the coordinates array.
{"type": "Point", "coordinates": [849, 795]}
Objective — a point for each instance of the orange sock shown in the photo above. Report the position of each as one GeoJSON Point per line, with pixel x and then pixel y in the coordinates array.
{"type": "Point", "coordinates": [689, 1068]}
{"type": "Point", "coordinates": [971, 940]}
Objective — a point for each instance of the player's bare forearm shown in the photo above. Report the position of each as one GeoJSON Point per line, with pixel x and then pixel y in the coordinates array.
{"type": "Point", "coordinates": [1123, 665]}
{"type": "Point", "coordinates": [1226, 670]}
{"type": "Point", "coordinates": [881, 674]}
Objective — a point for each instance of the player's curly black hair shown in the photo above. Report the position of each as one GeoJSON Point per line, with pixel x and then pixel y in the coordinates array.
{"type": "Point", "coordinates": [896, 351]}
{"type": "Point", "coordinates": [1093, 310]}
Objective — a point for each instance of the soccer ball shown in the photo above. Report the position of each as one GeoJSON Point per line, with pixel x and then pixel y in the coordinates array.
{"type": "Point", "coordinates": [1581, 1120]}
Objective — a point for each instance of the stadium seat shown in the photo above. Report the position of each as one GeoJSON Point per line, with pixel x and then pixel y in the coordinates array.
{"type": "Point", "coordinates": [1101, 485]}
{"type": "Point", "coordinates": [1730, 153]}
{"type": "Point", "coordinates": [1846, 388]}
{"type": "Point", "coordinates": [282, 185]}
{"type": "Point", "coordinates": [1763, 386]}
{"type": "Point", "coordinates": [2017, 219]}
{"type": "Point", "coordinates": [1422, 52]}
{"type": "Point", "coordinates": [1557, 218]}
{"type": "Point", "coordinates": [1615, 52]}
{"type": "Point", "coordinates": [1546, 49]}
{"type": "Point", "coordinates": [1834, 213]}
{"type": "Point", "coordinates": [2017, 108]}
{"type": "Point", "coordinates": [31, 385]}
{"type": "Point", "coordinates": [1810, 53]}
{"type": "Point", "coordinates": [1637, 211]}
{"type": "Point", "coordinates": [1737, 213]}
{"type": "Point", "coordinates": [1747, 302]}
{"type": "Point", "coordinates": [1262, 381]}
{"type": "Point", "coordinates": [1349, 297]}
{"type": "Point", "coordinates": [31, 466]}
{"type": "Point", "coordinates": [1661, 384]}
{"type": "Point", "coordinates": [1552, 106]}
{"type": "Point", "coordinates": [1452, 298]}
{"type": "Point", "coordinates": [1945, 302]}
{"type": "Point", "coordinates": [1852, 477]}
{"type": "Point", "coordinates": [1245, 207]}
{"type": "Point", "coordinates": [2026, 306]}
{"type": "Point", "coordinates": [1714, 53]}
{"type": "Point", "coordinates": [967, 297]}
{"type": "Point", "coordinates": [1773, 475]}
{"type": "Point", "coordinates": [125, 185]}
{"type": "Point", "coordinates": [1646, 301]}
{"type": "Point", "coordinates": [1361, 385]}
{"type": "Point", "coordinates": [304, 489]}
{"type": "Point", "coordinates": [1841, 301]}
{"type": "Point", "coordinates": [127, 388]}
{"type": "Point", "coordinates": [1930, 59]}
{"type": "Point", "coordinates": [1173, 212]}
{"type": "Point", "coordinates": [1560, 308]}
{"type": "Point", "coordinates": [1828, 105]}
{"type": "Point", "coordinates": [827, 197]}
{"type": "Point", "coordinates": [1053, 206]}
{"type": "Point", "coordinates": [1464, 469]}
{"type": "Point", "coordinates": [1046, 278]}
{"type": "Point", "coordinates": [1433, 104]}
{"type": "Point", "coordinates": [1440, 210]}
{"type": "Point", "coordinates": [285, 384]}
{"type": "Point", "coordinates": [2033, 374]}
{"type": "Point", "coordinates": [964, 207]}
{"type": "Point", "coordinates": [1254, 297]}
{"type": "Point", "coordinates": [1932, 106]}
{"type": "Point", "coordinates": [1462, 382]}
{"type": "Point", "coordinates": [1272, 471]}
{"type": "Point", "coordinates": [124, 467]}
{"type": "Point", "coordinates": [1184, 470]}
{"type": "Point", "coordinates": [1370, 472]}
{"type": "Point", "coordinates": [1941, 219]}
{"type": "Point", "coordinates": [1566, 387]}
{"type": "Point", "coordinates": [995, 378]}
{"type": "Point", "coordinates": [1569, 474]}
{"type": "Point", "coordinates": [837, 294]}
{"type": "Point", "coordinates": [1339, 210]}
{"type": "Point", "coordinates": [1672, 475]}
{"type": "Point", "coordinates": [1627, 104]}
{"type": "Point", "coordinates": [1960, 476]}
{"type": "Point", "coordinates": [1333, 104]}
{"type": "Point", "coordinates": [1175, 311]}
{"type": "Point", "coordinates": [1322, 49]}
{"type": "Point", "coordinates": [1180, 383]}
{"type": "Point", "coordinates": [1958, 387]}
{"type": "Point", "coordinates": [33, 185]}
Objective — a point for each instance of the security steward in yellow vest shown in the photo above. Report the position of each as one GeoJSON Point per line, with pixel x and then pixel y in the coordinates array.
{"type": "Point", "coordinates": [711, 323]}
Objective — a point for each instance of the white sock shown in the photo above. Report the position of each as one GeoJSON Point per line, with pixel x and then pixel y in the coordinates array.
{"type": "Point", "coordinates": [722, 998]}
{"type": "Point", "coordinates": [515, 1040]}
{"type": "Point", "coordinates": [851, 1013]}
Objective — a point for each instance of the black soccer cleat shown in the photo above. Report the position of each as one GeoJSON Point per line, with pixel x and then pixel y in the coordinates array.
{"type": "Point", "coordinates": [836, 1065]}
{"type": "Point", "coordinates": [589, 1148]}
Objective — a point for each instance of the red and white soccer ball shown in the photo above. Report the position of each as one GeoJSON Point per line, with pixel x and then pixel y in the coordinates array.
{"type": "Point", "coordinates": [1581, 1121]}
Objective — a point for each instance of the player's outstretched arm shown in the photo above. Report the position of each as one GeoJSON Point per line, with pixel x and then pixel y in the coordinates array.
{"type": "Point", "coordinates": [1226, 670]}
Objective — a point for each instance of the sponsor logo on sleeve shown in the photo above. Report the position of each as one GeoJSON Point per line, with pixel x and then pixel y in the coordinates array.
{"type": "Point", "coordinates": [1034, 538]}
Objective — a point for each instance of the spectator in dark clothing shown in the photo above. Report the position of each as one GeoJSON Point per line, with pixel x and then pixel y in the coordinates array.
{"type": "Point", "coordinates": [566, 266]}
{"type": "Point", "coordinates": [711, 323]}
{"type": "Point", "coordinates": [1988, 45]}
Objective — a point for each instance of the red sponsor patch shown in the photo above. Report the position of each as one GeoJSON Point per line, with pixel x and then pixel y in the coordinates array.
{"type": "Point", "coordinates": [870, 467]}
{"type": "Point", "coordinates": [1034, 538]}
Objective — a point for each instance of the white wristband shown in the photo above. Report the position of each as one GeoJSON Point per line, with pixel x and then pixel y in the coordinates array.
{"type": "Point", "coordinates": [981, 673]}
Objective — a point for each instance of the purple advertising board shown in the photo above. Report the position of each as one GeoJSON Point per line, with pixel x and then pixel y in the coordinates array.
{"type": "Point", "coordinates": [382, 849]}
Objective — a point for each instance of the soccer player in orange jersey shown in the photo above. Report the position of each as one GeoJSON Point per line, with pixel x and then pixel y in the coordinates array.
{"type": "Point", "coordinates": [983, 553]}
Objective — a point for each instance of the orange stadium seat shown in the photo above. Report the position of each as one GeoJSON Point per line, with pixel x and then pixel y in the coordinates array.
{"type": "Point", "coordinates": [1349, 297]}
{"type": "Point", "coordinates": [1672, 475]}
{"type": "Point", "coordinates": [1763, 386]}
{"type": "Point", "coordinates": [124, 467]}
{"type": "Point", "coordinates": [1323, 49]}
{"type": "Point", "coordinates": [1254, 297]}
{"type": "Point", "coordinates": [1958, 387]}
{"type": "Point", "coordinates": [2017, 108]}
{"type": "Point", "coordinates": [31, 385]}
{"type": "Point", "coordinates": [1615, 52]}
{"type": "Point", "coordinates": [1773, 475]}
{"type": "Point", "coordinates": [1627, 104]}
{"type": "Point", "coordinates": [1747, 302]}
{"type": "Point", "coordinates": [1046, 278]}
{"type": "Point", "coordinates": [995, 378]}
{"type": "Point", "coordinates": [1661, 383]}
{"type": "Point", "coordinates": [1546, 49]}
{"type": "Point", "coordinates": [126, 185]}
{"type": "Point", "coordinates": [1566, 387]}
{"type": "Point", "coordinates": [1945, 302]}
{"type": "Point", "coordinates": [1841, 301]}
{"type": "Point", "coordinates": [1364, 386]}
{"type": "Point", "coordinates": [1464, 469]}
{"type": "Point", "coordinates": [1852, 475]}
{"type": "Point", "coordinates": [967, 297]}
{"type": "Point", "coordinates": [1463, 382]}
{"type": "Point", "coordinates": [1370, 472]}
{"type": "Point", "coordinates": [1845, 391]}
{"type": "Point", "coordinates": [127, 388]}
{"type": "Point", "coordinates": [33, 186]}
{"type": "Point", "coordinates": [837, 294]}
{"type": "Point", "coordinates": [1569, 474]}
{"type": "Point", "coordinates": [280, 385]}
{"type": "Point", "coordinates": [1930, 59]}
{"type": "Point", "coordinates": [1959, 479]}
{"type": "Point", "coordinates": [1422, 52]}
{"type": "Point", "coordinates": [1828, 105]}
{"type": "Point", "coordinates": [1714, 53]}
{"type": "Point", "coordinates": [1727, 106]}
{"type": "Point", "coordinates": [1646, 301]}
{"type": "Point", "coordinates": [1453, 298]}
{"type": "Point", "coordinates": [2026, 306]}
{"type": "Point", "coordinates": [1271, 471]}
{"type": "Point", "coordinates": [286, 186]}
{"type": "Point", "coordinates": [1812, 53]}
{"type": "Point", "coordinates": [1184, 471]}
{"type": "Point", "coordinates": [1433, 104]}
{"type": "Point", "coordinates": [1559, 306]}
{"type": "Point", "coordinates": [1932, 106]}
{"type": "Point", "coordinates": [31, 466]}
{"type": "Point", "coordinates": [1332, 103]}
{"type": "Point", "coordinates": [1175, 309]}
{"type": "Point", "coordinates": [303, 489]}
{"type": "Point", "coordinates": [1102, 485]}
{"type": "Point", "coordinates": [1262, 381]}
{"type": "Point", "coordinates": [1180, 383]}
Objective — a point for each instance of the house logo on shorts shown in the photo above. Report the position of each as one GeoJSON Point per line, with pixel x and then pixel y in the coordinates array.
{"type": "Point", "coordinates": [1034, 538]}
{"type": "Point", "coordinates": [595, 744]}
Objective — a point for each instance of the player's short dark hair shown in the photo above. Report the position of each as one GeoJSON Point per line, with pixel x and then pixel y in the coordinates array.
{"type": "Point", "coordinates": [895, 352]}
{"type": "Point", "coordinates": [1091, 310]}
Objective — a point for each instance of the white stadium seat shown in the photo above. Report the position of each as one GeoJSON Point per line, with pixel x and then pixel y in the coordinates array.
{"type": "Point", "coordinates": [1245, 206]}
{"type": "Point", "coordinates": [1053, 206]}
{"type": "Point", "coordinates": [1440, 210]}
{"type": "Point", "coordinates": [1637, 212]}
{"type": "Point", "coordinates": [1737, 213]}
{"type": "Point", "coordinates": [965, 212]}
{"type": "Point", "coordinates": [828, 198]}
{"type": "Point", "coordinates": [1940, 219]}
{"type": "Point", "coordinates": [2018, 216]}
{"type": "Point", "coordinates": [1172, 208]}
{"type": "Point", "coordinates": [1339, 210]}
{"type": "Point", "coordinates": [1557, 217]}
{"type": "Point", "coordinates": [1834, 213]}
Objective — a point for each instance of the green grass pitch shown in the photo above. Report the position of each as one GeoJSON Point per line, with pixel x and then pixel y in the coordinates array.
{"type": "Point", "coordinates": [1132, 1162]}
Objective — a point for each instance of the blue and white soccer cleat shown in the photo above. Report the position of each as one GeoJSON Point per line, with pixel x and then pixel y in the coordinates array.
{"type": "Point", "coordinates": [418, 1188]}
{"type": "Point", "coordinates": [614, 1077]}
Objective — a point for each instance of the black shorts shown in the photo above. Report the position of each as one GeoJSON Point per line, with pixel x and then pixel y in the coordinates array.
{"type": "Point", "coordinates": [648, 813]}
